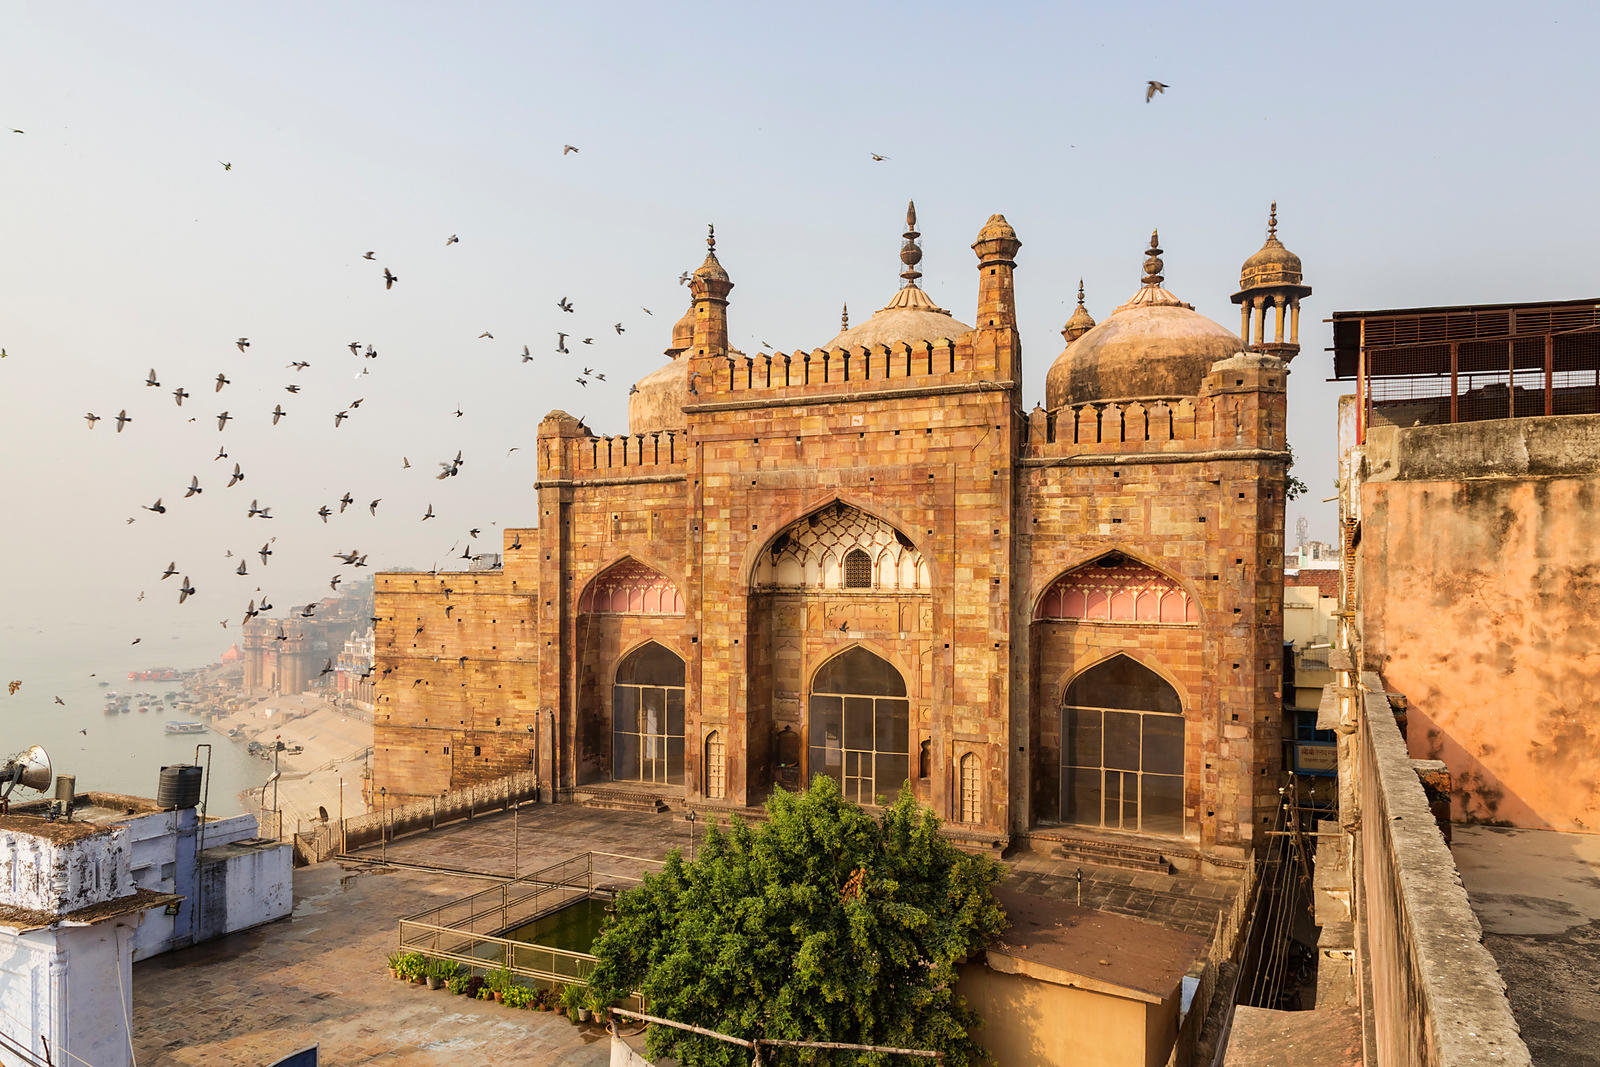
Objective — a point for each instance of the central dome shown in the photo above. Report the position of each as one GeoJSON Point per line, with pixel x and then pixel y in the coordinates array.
{"type": "Point", "coordinates": [1153, 346]}
{"type": "Point", "coordinates": [911, 316]}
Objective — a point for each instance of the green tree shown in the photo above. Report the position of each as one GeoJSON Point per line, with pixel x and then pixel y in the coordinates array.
{"type": "Point", "coordinates": [825, 923]}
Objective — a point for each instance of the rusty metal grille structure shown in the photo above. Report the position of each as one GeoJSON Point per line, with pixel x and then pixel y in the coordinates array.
{"type": "Point", "coordinates": [1427, 366]}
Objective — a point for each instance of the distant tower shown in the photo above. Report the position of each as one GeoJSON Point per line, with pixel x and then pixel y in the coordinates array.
{"type": "Point", "coordinates": [1271, 280]}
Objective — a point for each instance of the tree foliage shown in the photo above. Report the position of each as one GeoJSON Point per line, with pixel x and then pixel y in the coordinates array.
{"type": "Point", "coordinates": [825, 923]}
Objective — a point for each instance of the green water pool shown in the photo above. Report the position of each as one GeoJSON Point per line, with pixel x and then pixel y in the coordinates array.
{"type": "Point", "coordinates": [573, 927]}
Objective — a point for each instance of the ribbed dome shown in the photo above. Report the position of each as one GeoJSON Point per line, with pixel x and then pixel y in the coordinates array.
{"type": "Point", "coordinates": [911, 316]}
{"type": "Point", "coordinates": [1153, 346]}
{"type": "Point", "coordinates": [1273, 264]}
{"type": "Point", "coordinates": [656, 402]}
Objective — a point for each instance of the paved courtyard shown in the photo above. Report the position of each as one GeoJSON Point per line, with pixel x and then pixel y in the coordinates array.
{"type": "Point", "coordinates": [320, 975]}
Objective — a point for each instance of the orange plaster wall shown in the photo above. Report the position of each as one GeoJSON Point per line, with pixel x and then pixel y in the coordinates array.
{"type": "Point", "coordinates": [1482, 606]}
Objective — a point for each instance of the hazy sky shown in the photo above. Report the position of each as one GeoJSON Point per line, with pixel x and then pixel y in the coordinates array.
{"type": "Point", "coordinates": [1419, 155]}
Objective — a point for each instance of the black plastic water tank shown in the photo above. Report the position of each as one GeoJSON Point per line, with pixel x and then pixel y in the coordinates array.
{"type": "Point", "coordinates": [180, 786]}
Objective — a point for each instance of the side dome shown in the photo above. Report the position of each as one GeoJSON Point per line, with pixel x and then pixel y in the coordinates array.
{"type": "Point", "coordinates": [1153, 346]}
{"type": "Point", "coordinates": [656, 401]}
{"type": "Point", "coordinates": [1273, 264]}
{"type": "Point", "coordinates": [911, 316]}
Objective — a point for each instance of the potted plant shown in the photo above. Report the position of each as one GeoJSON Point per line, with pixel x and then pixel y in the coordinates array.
{"type": "Point", "coordinates": [517, 996]}
{"type": "Point", "coordinates": [499, 980]}
{"type": "Point", "coordinates": [597, 1007]}
{"type": "Point", "coordinates": [571, 999]}
{"type": "Point", "coordinates": [394, 964]}
{"type": "Point", "coordinates": [411, 966]}
{"type": "Point", "coordinates": [457, 983]}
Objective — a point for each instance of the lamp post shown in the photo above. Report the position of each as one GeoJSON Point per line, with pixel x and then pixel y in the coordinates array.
{"type": "Point", "coordinates": [383, 826]}
{"type": "Point", "coordinates": [690, 818]}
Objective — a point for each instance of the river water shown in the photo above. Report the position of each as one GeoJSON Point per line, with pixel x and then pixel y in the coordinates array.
{"type": "Point", "coordinates": [114, 753]}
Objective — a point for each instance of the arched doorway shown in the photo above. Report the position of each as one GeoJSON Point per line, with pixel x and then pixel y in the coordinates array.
{"type": "Point", "coordinates": [1122, 750]}
{"type": "Point", "coordinates": [859, 724]}
{"type": "Point", "coordinates": [647, 716]}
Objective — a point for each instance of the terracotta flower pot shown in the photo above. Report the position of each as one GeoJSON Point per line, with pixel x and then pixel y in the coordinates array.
{"type": "Point", "coordinates": [434, 983]}
{"type": "Point", "coordinates": [497, 997]}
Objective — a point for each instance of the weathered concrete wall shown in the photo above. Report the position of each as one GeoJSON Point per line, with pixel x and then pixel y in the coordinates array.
{"type": "Point", "coordinates": [1437, 997]}
{"type": "Point", "coordinates": [1029, 1022]}
{"type": "Point", "coordinates": [242, 885]}
{"type": "Point", "coordinates": [1480, 582]}
{"type": "Point", "coordinates": [63, 870]}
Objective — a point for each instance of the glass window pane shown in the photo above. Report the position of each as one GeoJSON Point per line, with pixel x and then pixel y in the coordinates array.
{"type": "Point", "coordinates": [1162, 804]}
{"type": "Point", "coordinates": [652, 711]}
{"type": "Point", "coordinates": [1082, 747]}
{"type": "Point", "coordinates": [858, 722]}
{"type": "Point", "coordinates": [858, 671]}
{"type": "Point", "coordinates": [826, 717]}
{"type": "Point", "coordinates": [625, 708]}
{"type": "Point", "coordinates": [892, 725]}
{"type": "Point", "coordinates": [1121, 682]}
{"type": "Point", "coordinates": [625, 756]}
{"type": "Point", "coordinates": [891, 775]}
{"type": "Point", "coordinates": [1130, 800]}
{"type": "Point", "coordinates": [1080, 796]}
{"type": "Point", "coordinates": [675, 759]}
{"type": "Point", "coordinates": [652, 664]}
{"type": "Point", "coordinates": [1163, 744]}
{"type": "Point", "coordinates": [675, 712]}
{"type": "Point", "coordinates": [1122, 740]}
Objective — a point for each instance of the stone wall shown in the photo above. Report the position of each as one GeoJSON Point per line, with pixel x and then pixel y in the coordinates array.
{"type": "Point", "coordinates": [1436, 996]}
{"type": "Point", "coordinates": [61, 867]}
{"type": "Point", "coordinates": [1480, 561]}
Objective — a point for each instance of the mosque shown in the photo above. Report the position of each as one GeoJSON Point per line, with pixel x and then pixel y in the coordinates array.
{"type": "Point", "coordinates": [793, 564]}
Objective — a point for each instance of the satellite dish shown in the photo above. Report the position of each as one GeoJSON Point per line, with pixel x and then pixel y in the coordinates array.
{"type": "Point", "coordinates": [30, 768]}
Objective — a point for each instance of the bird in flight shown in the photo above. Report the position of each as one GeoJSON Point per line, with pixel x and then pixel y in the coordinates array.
{"type": "Point", "coordinates": [222, 379]}
{"type": "Point", "coordinates": [172, 568]}
{"type": "Point", "coordinates": [582, 381]}
{"type": "Point", "coordinates": [122, 419]}
{"type": "Point", "coordinates": [877, 158]}
{"type": "Point", "coordinates": [389, 278]}
{"type": "Point", "coordinates": [617, 326]}
{"type": "Point", "coordinates": [450, 469]}
{"type": "Point", "coordinates": [226, 166]}
{"type": "Point", "coordinates": [241, 569]}
{"type": "Point", "coordinates": [222, 420]}
{"type": "Point", "coordinates": [345, 501]}
{"type": "Point", "coordinates": [405, 464]}
{"type": "Point", "coordinates": [291, 388]}
{"type": "Point", "coordinates": [256, 510]}
{"type": "Point", "coordinates": [151, 381]}
{"type": "Point", "coordinates": [428, 514]}
{"type": "Point", "coordinates": [369, 255]}
{"type": "Point", "coordinates": [564, 304]}
{"type": "Point", "coordinates": [299, 364]}
{"type": "Point", "coordinates": [355, 348]}
{"type": "Point", "coordinates": [91, 418]}
{"type": "Point", "coordinates": [222, 453]}
{"type": "Point", "coordinates": [561, 344]}
{"type": "Point", "coordinates": [18, 131]}
{"type": "Point", "coordinates": [238, 476]}
{"type": "Point", "coordinates": [180, 394]}
{"type": "Point", "coordinates": [564, 148]}
{"type": "Point", "coordinates": [194, 487]}
{"type": "Point", "coordinates": [452, 240]}
{"type": "Point", "coordinates": [527, 357]}
{"type": "Point", "coordinates": [487, 334]}
{"type": "Point", "coordinates": [242, 342]}
{"type": "Point", "coordinates": [277, 413]}
{"type": "Point", "coordinates": [324, 511]}
{"type": "Point", "coordinates": [348, 557]}
{"type": "Point", "coordinates": [1152, 88]}
{"type": "Point", "coordinates": [264, 551]}
{"type": "Point", "coordinates": [186, 591]}
{"type": "Point", "coordinates": [157, 507]}
{"type": "Point", "coordinates": [338, 417]}
{"type": "Point", "coordinates": [373, 507]}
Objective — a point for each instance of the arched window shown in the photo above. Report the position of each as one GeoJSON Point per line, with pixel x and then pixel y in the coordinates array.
{"type": "Point", "coordinates": [860, 726]}
{"type": "Point", "coordinates": [971, 810]}
{"type": "Point", "coordinates": [857, 570]}
{"type": "Point", "coordinates": [1122, 750]}
{"type": "Point", "coordinates": [1117, 589]}
{"type": "Point", "coordinates": [647, 716]}
{"type": "Point", "coordinates": [716, 768]}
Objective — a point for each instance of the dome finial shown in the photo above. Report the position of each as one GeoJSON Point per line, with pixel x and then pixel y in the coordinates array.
{"type": "Point", "coordinates": [1272, 220]}
{"type": "Point", "coordinates": [1080, 292]}
{"type": "Point", "coordinates": [1152, 263]}
{"type": "Point", "coordinates": [711, 238]}
{"type": "Point", "coordinates": [910, 252]}
{"type": "Point", "coordinates": [844, 316]}
{"type": "Point", "coordinates": [1081, 321]}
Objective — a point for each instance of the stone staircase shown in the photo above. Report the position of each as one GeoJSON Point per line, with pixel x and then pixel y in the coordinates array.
{"type": "Point", "coordinates": [1098, 850]}
{"type": "Point", "coordinates": [612, 797]}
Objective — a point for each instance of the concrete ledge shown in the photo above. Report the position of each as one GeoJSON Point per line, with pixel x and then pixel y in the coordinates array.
{"type": "Point", "coordinates": [1438, 996]}
{"type": "Point", "coordinates": [1547, 445]}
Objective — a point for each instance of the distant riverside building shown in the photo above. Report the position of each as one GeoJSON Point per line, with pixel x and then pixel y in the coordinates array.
{"type": "Point", "coordinates": [353, 670]}
{"type": "Point", "coordinates": [869, 560]}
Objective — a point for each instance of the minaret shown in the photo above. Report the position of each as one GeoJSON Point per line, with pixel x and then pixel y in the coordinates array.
{"type": "Point", "coordinates": [1081, 322]}
{"type": "Point", "coordinates": [710, 286]}
{"type": "Point", "coordinates": [1271, 279]}
{"type": "Point", "coordinates": [995, 339]}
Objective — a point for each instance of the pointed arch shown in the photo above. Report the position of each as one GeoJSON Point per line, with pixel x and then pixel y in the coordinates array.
{"type": "Point", "coordinates": [859, 724]}
{"type": "Point", "coordinates": [1115, 587]}
{"type": "Point", "coordinates": [647, 702]}
{"type": "Point", "coordinates": [970, 789]}
{"type": "Point", "coordinates": [1122, 748]}
{"type": "Point", "coordinates": [629, 586]}
{"type": "Point", "coordinates": [831, 529]}
{"type": "Point", "coordinates": [715, 766]}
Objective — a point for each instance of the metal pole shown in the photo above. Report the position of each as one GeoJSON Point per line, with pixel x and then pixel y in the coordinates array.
{"type": "Point", "coordinates": [341, 813]}
{"type": "Point", "coordinates": [383, 825]}
{"type": "Point", "coordinates": [514, 809]}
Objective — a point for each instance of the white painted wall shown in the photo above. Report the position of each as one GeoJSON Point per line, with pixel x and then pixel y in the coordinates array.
{"type": "Point", "coordinates": [43, 875]}
{"type": "Point", "coordinates": [73, 984]}
{"type": "Point", "coordinates": [244, 885]}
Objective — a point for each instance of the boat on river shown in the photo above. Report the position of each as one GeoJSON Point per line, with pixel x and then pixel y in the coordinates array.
{"type": "Point", "coordinates": [173, 727]}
